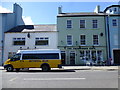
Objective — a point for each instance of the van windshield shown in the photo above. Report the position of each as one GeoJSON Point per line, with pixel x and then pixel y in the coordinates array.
{"type": "Point", "coordinates": [16, 57]}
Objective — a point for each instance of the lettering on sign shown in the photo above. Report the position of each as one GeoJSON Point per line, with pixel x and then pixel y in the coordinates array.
{"type": "Point", "coordinates": [34, 60]}
{"type": "Point", "coordinates": [44, 60]}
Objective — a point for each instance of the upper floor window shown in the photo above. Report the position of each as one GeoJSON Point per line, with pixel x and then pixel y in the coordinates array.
{"type": "Point", "coordinates": [110, 10]}
{"type": "Point", "coordinates": [18, 41]}
{"type": "Point", "coordinates": [69, 39]}
{"type": "Point", "coordinates": [69, 23]}
{"type": "Point", "coordinates": [42, 41]}
{"type": "Point", "coordinates": [95, 23]}
{"type": "Point", "coordinates": [115, 9]}
{"type": "Point", "coordinates": [95, 40]}
{"type": "Point", "coordinates": [82, 23]}
{"type": "Point", "coordinates": [82, 39]}
{"type": "Point", "coordinates": [114, 22]}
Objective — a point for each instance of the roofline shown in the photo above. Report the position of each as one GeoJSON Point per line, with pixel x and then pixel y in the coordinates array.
{"type": "Point", "coordinates": [39, 51]}
{"type": "Point", "coordinates": [43, 24]}
{"type": "Point", "coordinates": [32, 32]}
{"type": "Point", "coordinates": [110, 7]}
{"type": "Point", "coordinates": [88, 15]}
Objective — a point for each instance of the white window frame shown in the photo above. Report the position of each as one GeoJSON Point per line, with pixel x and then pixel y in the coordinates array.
{"type": "Point", "coordinates": [80, 40]}
{"type": "Point", "coordinates": [19, 39]}
{"type": "Point", "coordinates": [82, 23]}
{"type": "Point", "coordinates": [71, 40]}
{"type": "Point", "coordinates": [68, 24]}
{"type": "Point", "coordinates": [95, 23]}
{"type": "Point", "coordinates": [97, 40]}
{"type": "Point", "coordinates": [40, 39]}
{"type": "Point", "coordinates": [114, 23]}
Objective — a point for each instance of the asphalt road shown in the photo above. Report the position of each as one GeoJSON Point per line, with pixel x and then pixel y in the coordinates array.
{"type": "Point", "coordinates": [60, 79]}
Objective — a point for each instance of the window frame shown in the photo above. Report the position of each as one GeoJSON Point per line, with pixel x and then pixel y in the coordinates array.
{"type": "Point", "coordinates": [69, 26]}
{"type": "Point", "coordinates": [114, 22]}
{"type": "Point", "coordinates": [39, 39]}
{"type": "Point", "coordinates": [84, 40]}
{"type": "Point", "coordinates": [94, 40]}
{"type": "Point", "coordinates": [18, 40]}
{"type": "Point", "coordinates": [94, 23]}
{"type": "Point", "coordinates": [83, 24]}
{"type": "Point", "coordinates": [71, 40]}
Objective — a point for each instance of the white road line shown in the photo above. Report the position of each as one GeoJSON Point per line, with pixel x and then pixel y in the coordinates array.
{"type": "Point", "coordinates": [13, 79]}
{"type": "Point", "coordinates": [37, 79]}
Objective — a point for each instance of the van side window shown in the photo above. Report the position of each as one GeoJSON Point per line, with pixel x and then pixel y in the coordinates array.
{"type": "Point", "coordinates": [16, 57]}
{"type": "Point", "coordinates": [41, 56]}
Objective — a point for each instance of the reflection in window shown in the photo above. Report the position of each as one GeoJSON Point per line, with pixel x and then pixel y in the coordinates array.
{"type": "Point", "coordinates": [18, 41]}
{"type": "Point", "coordinates": [42, 41]}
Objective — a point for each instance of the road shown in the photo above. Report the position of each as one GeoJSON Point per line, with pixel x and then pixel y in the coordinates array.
{"type": "Point", "coordinates": [60, 79]}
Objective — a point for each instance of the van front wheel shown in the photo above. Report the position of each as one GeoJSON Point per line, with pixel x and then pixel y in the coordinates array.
{"type": "Point", "coordinates": [45, 68]}
{"type": "Point", "coordinates": [9, 68]}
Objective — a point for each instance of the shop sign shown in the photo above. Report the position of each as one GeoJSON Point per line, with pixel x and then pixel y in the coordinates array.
{"type": "Point", "coordinates": [85, 48]}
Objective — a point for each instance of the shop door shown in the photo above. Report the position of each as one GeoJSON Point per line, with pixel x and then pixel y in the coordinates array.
{"type": "Point", "coordinates": [72, 57]}
{"type": "Point", "coordinates": [116, 54]}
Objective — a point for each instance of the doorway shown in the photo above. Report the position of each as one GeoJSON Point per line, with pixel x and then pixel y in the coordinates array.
{"type": "Point", "coordinates": [72, 57]}
{"type": "Point", "coordinates": [116, 54]}
{"type": "Point", "coordinates": [63, 57]}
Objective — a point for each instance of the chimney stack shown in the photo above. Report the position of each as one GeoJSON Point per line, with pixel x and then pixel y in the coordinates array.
{"type": "Point", "coordinates": [97, 9]}
{"type": "Point", "coordinates": [60, 10]}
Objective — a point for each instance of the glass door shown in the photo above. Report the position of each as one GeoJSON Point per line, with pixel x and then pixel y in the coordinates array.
{"type": "Point", "coordinates": [72, 57]}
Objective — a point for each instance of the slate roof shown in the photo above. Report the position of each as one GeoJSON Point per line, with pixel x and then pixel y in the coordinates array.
{"type": "Point", "coordinates": [81, 14]}
{"type": "Point", "coordinates": [34, 28]}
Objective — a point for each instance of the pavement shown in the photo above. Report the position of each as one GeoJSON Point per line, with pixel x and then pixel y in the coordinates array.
{"type": "Point", "coordinates": [84, 67]}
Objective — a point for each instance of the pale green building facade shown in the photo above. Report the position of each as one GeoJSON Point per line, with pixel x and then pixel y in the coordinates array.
{"type": "Point", "coordinates": [81, 38]}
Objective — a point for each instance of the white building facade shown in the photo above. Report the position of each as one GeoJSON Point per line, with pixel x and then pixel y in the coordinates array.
{"type": "Point", "coordinates": [35, 37]}
{"type": "Point", "coordinates": [9, 20]}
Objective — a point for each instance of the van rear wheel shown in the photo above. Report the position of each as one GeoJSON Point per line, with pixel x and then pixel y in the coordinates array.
{"type": "Point", "coordinates": [9, 68]}
{"type": "Point", "coordinates": [45, 68]}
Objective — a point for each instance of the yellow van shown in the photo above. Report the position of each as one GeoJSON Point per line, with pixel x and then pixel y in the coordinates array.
{"type": "Point", "coordinates": [42, 58]}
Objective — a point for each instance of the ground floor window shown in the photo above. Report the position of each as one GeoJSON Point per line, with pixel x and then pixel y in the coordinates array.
{"type": "Point", "coordinates": [92, 56]}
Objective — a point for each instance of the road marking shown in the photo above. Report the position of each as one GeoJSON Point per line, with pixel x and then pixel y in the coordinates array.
{"type": "Point", "coordinates": [37, 79]}
{"type": "Point", "coordinates": [13, 79]}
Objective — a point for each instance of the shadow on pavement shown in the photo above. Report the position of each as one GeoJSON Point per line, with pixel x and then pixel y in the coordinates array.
{"type": "Point", "coordinates": [36, 71]}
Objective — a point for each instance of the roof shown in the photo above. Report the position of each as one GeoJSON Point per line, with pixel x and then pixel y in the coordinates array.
{"type": "Point", "coordinates": [34, 28]}
{"type": "Point", "coordinates": [111, 6]}
{"type": "Point", "coordinates": [81, 14]}
{"type": "Point", "coordinates": [40, 51]}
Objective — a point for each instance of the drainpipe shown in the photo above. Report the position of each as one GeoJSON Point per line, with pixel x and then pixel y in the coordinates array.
{"type": "Point", "coordinates": [109, 48]}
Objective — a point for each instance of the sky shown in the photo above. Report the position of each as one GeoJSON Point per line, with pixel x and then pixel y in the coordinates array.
{"type": "Point", "coordinates": [46, 12]}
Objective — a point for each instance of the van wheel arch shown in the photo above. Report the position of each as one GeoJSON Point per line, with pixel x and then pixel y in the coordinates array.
{"type": "Point", "coordinates": [45, 67]}
{"type": "Point", "coordinates": [9, 68]}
